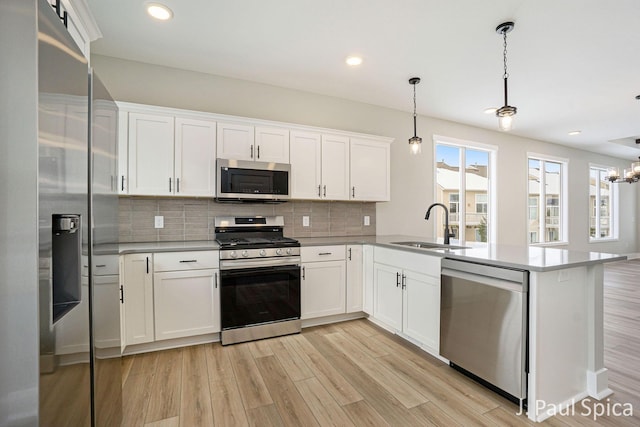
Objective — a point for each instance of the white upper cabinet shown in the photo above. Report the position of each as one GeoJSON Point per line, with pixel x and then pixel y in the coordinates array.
{"type": "Point", "coordinates": [151, 154]}
{"type": "Point", "coordinates": [170, 156]}
{"type": "Point", "coordinates": [319, 166]}
{"type": "Point", "coordinates": [235, 141]}
{"type": "Point", "coordinates": [259, 143]}
{"type": "Point", "coordinates": [335, 167]}
{"type": "Point", "coordinates": [306, 161]}
{"type": "Point", "coordinates": [272, 144]}
{"type": "Point", "coordinates": [123, 152]}
{"type": "Point", "coordinates": [195, 157]}
{"type": "Point", "coordinates": [370, 170]}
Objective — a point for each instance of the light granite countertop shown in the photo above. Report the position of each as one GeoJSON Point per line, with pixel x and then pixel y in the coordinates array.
{"type": "Point", "coordinates": [533, 258]}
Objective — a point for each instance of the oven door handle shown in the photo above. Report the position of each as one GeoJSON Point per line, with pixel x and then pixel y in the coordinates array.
{"type": "Point", "coordinates": [259, 270]}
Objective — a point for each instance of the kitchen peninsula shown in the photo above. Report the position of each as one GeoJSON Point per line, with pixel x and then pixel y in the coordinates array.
{"type": "Point", "coordinates": [565, 306]}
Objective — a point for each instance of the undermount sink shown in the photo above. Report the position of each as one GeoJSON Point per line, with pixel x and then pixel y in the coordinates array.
{"type": "Point", "coordinates": [428, 245]}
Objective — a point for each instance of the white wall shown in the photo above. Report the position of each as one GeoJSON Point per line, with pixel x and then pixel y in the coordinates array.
{"type": "Point", "coordinates": [411, 177]}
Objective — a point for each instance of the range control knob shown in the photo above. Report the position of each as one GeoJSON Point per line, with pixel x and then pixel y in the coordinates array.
{"type": "Point", "coordinates": [263, 253]}
{"type": "Point", "coordinates": [245, 254]}
{"type": "Point", "coordinates": [288, 251]}
{"type": "Point", "coordinates": [233, 254]}
{"type": "Point", "coordinates": [278, 251]}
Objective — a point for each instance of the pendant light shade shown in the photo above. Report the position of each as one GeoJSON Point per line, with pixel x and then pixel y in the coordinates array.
{"type": "Point", "coordinates": [415, 142]}
{"type": "Point", "coordinates": [506, 112]}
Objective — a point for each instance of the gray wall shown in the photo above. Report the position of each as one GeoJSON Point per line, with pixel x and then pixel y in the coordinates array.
{"type": "Point", "coordinates": [18, 214]}
{"type": "Point", "coordinates": [412, 177]}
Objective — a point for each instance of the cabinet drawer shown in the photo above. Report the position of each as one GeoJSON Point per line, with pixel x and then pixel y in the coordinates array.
{"type": "Point", "coordinates": [422, 263]}
{"type": "Point", "coordinates": [193, 260]}
{"type": "Point", "coordinates": [322, 253]}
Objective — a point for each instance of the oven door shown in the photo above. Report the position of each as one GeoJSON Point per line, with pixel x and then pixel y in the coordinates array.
{"type": "Point", "coordinates": [254, 296]}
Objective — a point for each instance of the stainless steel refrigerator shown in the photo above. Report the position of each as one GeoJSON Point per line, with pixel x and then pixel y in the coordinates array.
{"type": "Point", "coordinates": [79, 313]}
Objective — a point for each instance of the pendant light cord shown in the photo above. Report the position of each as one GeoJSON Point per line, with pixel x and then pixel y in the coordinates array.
{"type": "Point", "coordinates": [415, 131]}
{"type": "Point", "coordinates": [505, 76]}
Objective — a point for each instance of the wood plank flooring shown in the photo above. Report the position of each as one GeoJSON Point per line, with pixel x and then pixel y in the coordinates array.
{"type": "Point", "coordinates": [356, 374]}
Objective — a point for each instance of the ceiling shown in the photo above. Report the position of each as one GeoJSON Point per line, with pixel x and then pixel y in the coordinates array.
{"type": "Point", "coordinates": [573, 64]}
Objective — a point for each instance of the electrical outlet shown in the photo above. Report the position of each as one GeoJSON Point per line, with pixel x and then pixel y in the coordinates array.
{"type": "Point", "coordinates": [305, 221]}
{"type": "Point", "coordinates": [159, 222]}
{"type": "Point", "coordinates": [367, 220]}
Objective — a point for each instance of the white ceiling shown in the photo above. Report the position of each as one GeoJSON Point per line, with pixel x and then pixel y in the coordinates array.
{"type": "Point", "coordinates": [573, 64]}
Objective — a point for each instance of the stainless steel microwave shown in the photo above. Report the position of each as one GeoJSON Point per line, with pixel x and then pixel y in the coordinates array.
{"type": "Point", "coordinates": [246, 181]}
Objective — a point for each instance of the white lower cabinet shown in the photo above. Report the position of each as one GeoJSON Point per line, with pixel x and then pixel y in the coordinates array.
{"type": "Point", "coordinates": [186, 294]}
{"type": "Point", "coordinates": [186, 303]}
{"type": "Point", "coordinates": [323, 282]}
{"type": "Point", "coordinates": [137, 285]}
{"type": "Point", "coordinates": [407, 294]}
{"type": "Point", "coordinates": [354, 278]}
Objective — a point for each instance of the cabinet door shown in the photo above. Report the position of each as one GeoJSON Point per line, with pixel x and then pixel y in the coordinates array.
{"type": "Point", "coordinates": [104, 147]}
{"type": "Point", "coordinates": [370, 170]}
{"type": "Point", "coordinates": [138, 298]}
{"type": "Point", "coordinates": [195, 157]}
{"type": "Point", "coordinates": [323, 291]}
{"type": "Point", "coordinates": [151, 154]}
{"type": "Point", "coordinates": [186, 303]}
{"type": "Point", "coordinates": [387, 303]}
{"type": "Point", "coordinates": [272, 145]}
{"type": "Point", "coordinates": [306, 165]}
{"type": "Point", "coordinates": [235, 141]}
{"type": "Point", "coordinates": [123, 152]}
{"type": "Point", "coordinates": [421, 313]}
{"type": "Point", "coordinates": [335, 167]}
{"type": "Point", "coordinates": [354, 278]}
{"type": "Point", "coordinates": [367, 279]}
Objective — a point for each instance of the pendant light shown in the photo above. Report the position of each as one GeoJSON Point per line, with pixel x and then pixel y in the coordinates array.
{"type": "Point", "coordinates": [506, 112]}
{"type": "Point", "coordinates": [415, 142]}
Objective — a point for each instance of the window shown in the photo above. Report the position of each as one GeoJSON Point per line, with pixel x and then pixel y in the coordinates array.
{"type": "Point", "coordinates": [546, 213]}
{"type": "Point", "coordinates": [603, 205]}
{"type": "Point", "coordinates": [463, 177]}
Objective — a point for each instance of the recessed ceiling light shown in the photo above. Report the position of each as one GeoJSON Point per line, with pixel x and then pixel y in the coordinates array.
{"type": "Point", "coordinates": [353, 60]}
{"type": "Point", "coordinates": [159, 11]}
{"type": "Point", "coordinates": [490, 110]}
{"type": "Point", "coordinates": [575, 132]}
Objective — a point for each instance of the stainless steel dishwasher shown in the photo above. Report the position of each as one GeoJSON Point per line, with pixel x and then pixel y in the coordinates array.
{"type": "Point", "coordinates": [483, 324]}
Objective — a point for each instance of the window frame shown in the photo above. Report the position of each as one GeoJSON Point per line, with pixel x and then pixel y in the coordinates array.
{"type": "Point", "coordinates": [614, 204]}
{"type": "Point", "coordinates": [563, 238]}
{"type": "Point", "coordinates": [492, 177]}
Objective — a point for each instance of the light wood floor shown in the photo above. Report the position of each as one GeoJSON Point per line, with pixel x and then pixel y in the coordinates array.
{"type": "Point", "coordinates": [354, 373]}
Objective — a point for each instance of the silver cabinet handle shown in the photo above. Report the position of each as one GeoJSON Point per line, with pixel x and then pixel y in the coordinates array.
{"type": "Point", "coordinates": [258, 151]}
{"type": "Point", "coordinates": [303, 278]}
{"type": "Point", "coordinates": [251, 151]}
{"type": "Point", "coordinates": [122, 187]}
{"type": "Point", "coordinates": [177, 185]}
{"type": "Point", "coordinates": [189, 260]}
{"type": "Point", "coordinates": [349, 254]}
{"type": "Point", "coordinates": [169, 185]}
{"type": "Point", "coordinates": [319, 191]}
{"type": "Point", "coordinates": [325, 191]}
{"type": "Point", "coordinates": [353, 192]}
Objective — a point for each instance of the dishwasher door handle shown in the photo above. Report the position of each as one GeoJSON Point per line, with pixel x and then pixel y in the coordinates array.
{"type": "Point", "coordinates": [484, 280]}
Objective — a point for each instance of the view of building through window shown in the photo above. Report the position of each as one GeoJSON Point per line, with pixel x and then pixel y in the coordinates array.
{"type": "Point", "coordinates": [469, 214]}
{"type": "Point", "coordinates": [602, 205]}
{"type": "Point", "coordinates": [545, 200]}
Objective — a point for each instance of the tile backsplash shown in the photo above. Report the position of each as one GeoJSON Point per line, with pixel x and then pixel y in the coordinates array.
{"type": "Point", "coordinates": [193, 218]}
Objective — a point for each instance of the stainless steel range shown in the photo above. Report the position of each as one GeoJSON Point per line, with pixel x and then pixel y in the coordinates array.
{"type": "Point", "coordinates": [259, 278]}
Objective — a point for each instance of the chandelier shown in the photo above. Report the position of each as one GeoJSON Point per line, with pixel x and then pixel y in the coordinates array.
{"type": "Point", "coordinates": [628, 175]}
